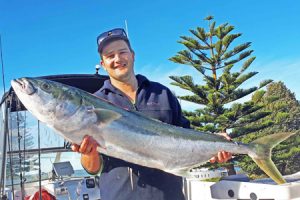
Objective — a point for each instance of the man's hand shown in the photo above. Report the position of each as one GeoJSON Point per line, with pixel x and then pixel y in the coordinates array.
{"type": "Point", "coordinates": [90, 158]}
{"type": "Point", "coordinates": [222, 156]}
{"type": "Point", "coordinates": [88, 146]}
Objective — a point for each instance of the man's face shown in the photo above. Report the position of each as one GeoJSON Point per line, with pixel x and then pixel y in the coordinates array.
{"type": "Point", "coordinates": [117, 60]}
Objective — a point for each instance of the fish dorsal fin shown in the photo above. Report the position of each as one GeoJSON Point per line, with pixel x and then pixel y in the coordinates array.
{"type": "Point", "coordinates": [106, 116]}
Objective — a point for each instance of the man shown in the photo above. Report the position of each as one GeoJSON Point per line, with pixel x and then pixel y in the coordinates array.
{"type": "Point", "coordinates": [120, 179]}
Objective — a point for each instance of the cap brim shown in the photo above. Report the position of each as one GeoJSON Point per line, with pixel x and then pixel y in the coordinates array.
{"type": "Point", "coordinates": [108, 39]}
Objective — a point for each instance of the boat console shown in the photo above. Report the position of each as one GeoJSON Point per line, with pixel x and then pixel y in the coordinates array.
{"type": "Point", "coordinates": [63, 187]}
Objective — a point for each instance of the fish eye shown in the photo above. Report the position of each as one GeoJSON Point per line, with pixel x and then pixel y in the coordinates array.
{"type": "Point", "coordinates": [45, 86]}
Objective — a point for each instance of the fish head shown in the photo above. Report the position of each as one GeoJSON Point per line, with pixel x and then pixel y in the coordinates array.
{"type": "Point", "coordinates": [47, 100]}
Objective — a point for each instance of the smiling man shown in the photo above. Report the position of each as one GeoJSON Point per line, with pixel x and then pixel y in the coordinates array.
{"type": "Point", "coordinates": [120, 179]}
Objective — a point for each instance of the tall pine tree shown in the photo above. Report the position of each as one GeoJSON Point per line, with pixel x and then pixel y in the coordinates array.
{"type": "Point", "coordinates": [286, 117]}
{"type": "Point", "coordinates": [212, 54]}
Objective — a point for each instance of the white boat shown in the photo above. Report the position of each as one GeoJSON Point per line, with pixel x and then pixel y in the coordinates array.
{"type": "Point", "coordinates": [36, 160]}
{"type": "Point", "coordinates": [234, 188]}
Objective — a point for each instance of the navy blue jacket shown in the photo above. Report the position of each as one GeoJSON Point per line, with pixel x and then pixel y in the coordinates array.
{"type": "Point", "coordinates": [123, 180]}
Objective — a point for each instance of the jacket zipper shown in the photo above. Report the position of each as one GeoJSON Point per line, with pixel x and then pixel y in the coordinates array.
{"type": "Point", "coordinates": [133, 105]}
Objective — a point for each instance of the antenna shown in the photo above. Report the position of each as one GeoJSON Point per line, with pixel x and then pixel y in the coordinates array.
{"type": "Point", "coordinates": [2, 64]}
{"type": "Point", "coordinates": [126, 28]}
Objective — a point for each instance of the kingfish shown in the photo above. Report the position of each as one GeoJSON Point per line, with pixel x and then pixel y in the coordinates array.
{"type": "Point", "coordinates": [132, 136]}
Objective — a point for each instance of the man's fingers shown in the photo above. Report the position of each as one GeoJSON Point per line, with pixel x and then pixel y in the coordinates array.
{"type": "Point", "coordinates": [220, 157]}
{"type": "Point", "coordinates": [75, 147]}
{"type": "Point", "coordinates": [89, 149]}
{"type": "Point", "coordinates": [88, 145]}
{"type": "Point", "coordinates": [94, 146]}
{"type": "Point", "coordinates": [213, 160]}
{"type": "Point", "coordinates": [84, 144]}
{"type": "Point", "coordinates": [225, 156]}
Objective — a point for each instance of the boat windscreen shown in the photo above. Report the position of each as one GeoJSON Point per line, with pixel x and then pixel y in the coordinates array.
{"type": "Point", "coordinates": [24, 130]}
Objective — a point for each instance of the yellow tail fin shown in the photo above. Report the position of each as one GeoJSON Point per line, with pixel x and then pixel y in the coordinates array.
{"type": "Point", "coordinates": [262, 153]}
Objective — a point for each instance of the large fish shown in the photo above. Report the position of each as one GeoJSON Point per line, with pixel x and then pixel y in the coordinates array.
{"type": "Point", "coordinates": [130, 135]}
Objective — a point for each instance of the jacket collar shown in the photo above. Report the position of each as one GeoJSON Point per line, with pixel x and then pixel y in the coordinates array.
{"type": "Point", "coordinates": [107, 86]}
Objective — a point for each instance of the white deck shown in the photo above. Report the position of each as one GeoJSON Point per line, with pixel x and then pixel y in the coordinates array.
{"type": "Point", "coordinates": [225, 189]}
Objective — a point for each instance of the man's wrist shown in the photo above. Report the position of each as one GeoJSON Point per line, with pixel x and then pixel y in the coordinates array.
{"type": "Point", "coordinates": [96, 172]}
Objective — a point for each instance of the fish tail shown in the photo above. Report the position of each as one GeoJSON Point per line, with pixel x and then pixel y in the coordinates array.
{"type": "Point", "coordinates": [262, 148]}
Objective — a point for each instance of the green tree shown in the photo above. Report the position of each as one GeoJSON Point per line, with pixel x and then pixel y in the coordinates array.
{"type": "Point", "coordinates": [286, 117]}
{"type": "Point", "coordinates": [212, 54]}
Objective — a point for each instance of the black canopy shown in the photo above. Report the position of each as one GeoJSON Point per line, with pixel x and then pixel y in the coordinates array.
{"type": "Point", "coordinates": [88, 82]}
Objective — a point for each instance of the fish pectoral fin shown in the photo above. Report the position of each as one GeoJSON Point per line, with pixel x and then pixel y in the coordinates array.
{"type": "Point", "coordinates": [106, 116]}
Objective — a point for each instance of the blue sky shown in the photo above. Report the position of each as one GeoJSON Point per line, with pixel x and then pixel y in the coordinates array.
{"type": "Point", "coordinates": [59, 36]}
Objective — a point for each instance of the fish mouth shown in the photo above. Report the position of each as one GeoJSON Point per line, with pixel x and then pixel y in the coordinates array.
{"type": "Point", "coordinates": [23, 85]}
